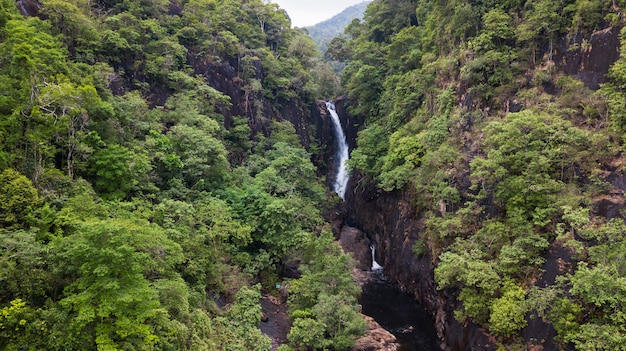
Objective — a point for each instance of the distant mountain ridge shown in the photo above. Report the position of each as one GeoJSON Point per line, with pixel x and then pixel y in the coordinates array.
{"type": "Point", "coordinates": [324, 31]}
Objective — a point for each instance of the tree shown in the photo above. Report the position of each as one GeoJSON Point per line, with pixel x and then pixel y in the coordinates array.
{"type": "Point", "coordinates": [342, 320]}
{"type": "Point", "coordinates": [542, 20]}
{"type": "Point", "coordinates": [404, 155]}
{"type": "Point", "coordinates": [508, 312]}
{"type": "Point", "coordinates": [243, 318]}
{"type": "Point", "coordinates": [525, 165]}
{"type": "Point", "coordinates": [117, 170]}
{"type": "Point", "coordinates": [203, 156]}
{"type": "Point", "coordinates": [111, 302]}
{"type": "Point", "coordinates": [326, 272]}
{"type": "Point", "coordinates": [32, 58]}
{"type": "Point", "coordinates": [21, 327]}
{"type": "Point", "coordinates": [23, 271]}
{"type": "Point", "coordinates": [18, 198]}
{"type": "Point", "coordinates": [306, 333]}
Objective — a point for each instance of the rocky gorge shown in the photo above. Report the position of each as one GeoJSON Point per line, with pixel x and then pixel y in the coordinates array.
{"type": "Point", "coordinates": [390, 220]}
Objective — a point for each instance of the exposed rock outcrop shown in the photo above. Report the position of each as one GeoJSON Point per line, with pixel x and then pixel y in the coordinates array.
{"type": "Point", "coordinates": [375, 339]}
{"type": "Point", "coordinates": [390, 219]}
{"type": "Point", "coordinates": [29, 7]}
{"type": "Point", "coordinates": [276, 323]}
{"type": "Point", "coordinates": [225, 76]}
{"type": "Point", "coordinates": [357, 244]}
{"type": "Point", "coordinates": [588, 60]}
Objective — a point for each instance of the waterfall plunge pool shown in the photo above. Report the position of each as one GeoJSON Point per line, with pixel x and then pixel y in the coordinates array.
{"type": "Point", "coordinates": [398, 313]}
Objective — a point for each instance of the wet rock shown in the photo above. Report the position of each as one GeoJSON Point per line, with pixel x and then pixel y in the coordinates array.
{"type": "Point", "coordinates": [277, 325]}
{"type": "Point", "coordinates": [391, 220]}
{"type": "Point", "coordinates": [291, 269]}
{"type": "Point", "coordinates": [336, 216]}
{"type": "Point", "coordinates": [375, 339]}
{"type": "Point", "coordinates": [609, 206]}
{"type": "Point", "coordinates": [468, 337]}
{"type": "Point", "coordinates": [29, 7]}
{"type": "Point", "coordinates": [357, 244]}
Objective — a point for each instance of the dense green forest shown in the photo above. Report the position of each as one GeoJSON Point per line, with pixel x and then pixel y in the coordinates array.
{"type": "Point", "coordinates": [470, 109]}
{"type": "Point", "coordinates": [143, 208]}
{"type": "Point", "coordinates": [151, 188]}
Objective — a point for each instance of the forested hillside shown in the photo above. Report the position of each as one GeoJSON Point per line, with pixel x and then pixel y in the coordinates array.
{"type": "Point", "coordinates": [156, 172]}
{"type": "Point", "coordinates": [503, 124]}
{"type": "Point", "coordinates": [151, 184]}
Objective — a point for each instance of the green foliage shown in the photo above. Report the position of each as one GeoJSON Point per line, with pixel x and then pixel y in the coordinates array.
{"type": "Point", "coordinates": [403, 156]}
{"type": "Point", "coordinates": [244, 317]}
{"type": "Point", "coordinates": [23, 266]}
{"type": "Point", "coordinates": [371, 144]}
{"type": "Point", "coordinates": [507, 312]}
{"type": "Point", "coordinates": [116, 171]}
{"type": "Point", "coordinates": [284, 132]}
{"type": "Point", "coordinates": [203, 156]}
{"type": "Point", "coordinates": [18, 198]}
{"type": "Point", "coordinates": [20, 327]}
{"type": "Point", "coordinates": [323, 301]}
{"type": "Point", "coordinates": [420, 247]}
{"type": "Point", "coordinates": [435, 83]}
{"type": "Point", "coordinates": [104, 257]}
{"type": "Point", "coordinates": [307, 333]}
{"type": "Point", "coordinates": [192, 202]}
{"type": "Point", "coordinates": [327, 271]}
{"type": "Point", "coordinates": [590, 314]}
{"type": "Point", "coordinates": [525, 165]}
{"type": "Point", "coordinates": [342, 320]}
{"type": "Point", "coordinates": [132, 198]}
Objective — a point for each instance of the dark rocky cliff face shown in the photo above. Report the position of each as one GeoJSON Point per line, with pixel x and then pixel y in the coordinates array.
{"type": "Point", "coordinates": [391, 221]}
{"type": "Point", "coordinates": [589, 60]}
{"type": "Point", "coordinates": [29, 7]}
{"type": "Point", "coordinates": [225, 77]}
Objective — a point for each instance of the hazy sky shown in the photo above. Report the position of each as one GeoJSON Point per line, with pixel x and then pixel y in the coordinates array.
{"type": "Point", "coordinates": [307, 13]}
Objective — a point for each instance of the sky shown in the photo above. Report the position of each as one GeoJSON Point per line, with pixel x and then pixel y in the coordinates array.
{"type": "Point", "coordinates": [307, 13]}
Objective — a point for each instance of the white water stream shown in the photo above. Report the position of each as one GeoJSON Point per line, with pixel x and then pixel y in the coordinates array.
{"type": "Point", "coordinates": [341, 182]}
{"type": "Point", "coordinates": [375, 266]}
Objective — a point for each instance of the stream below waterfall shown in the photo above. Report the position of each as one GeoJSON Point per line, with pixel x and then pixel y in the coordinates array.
{"type": "Point", "coordinates": [398, 313]}
{"type": "Point", "coordinates": [395, 311]}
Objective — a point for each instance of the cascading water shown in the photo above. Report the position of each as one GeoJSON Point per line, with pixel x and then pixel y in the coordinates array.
{"type": "Point", "coordinates": [395, 311]}
{"type": "Point", "coordinates": [341, 182]}
{"type": "Point", "coordinates": [375, 266]}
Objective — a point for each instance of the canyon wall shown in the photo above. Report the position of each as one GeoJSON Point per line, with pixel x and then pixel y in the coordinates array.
{"type": "Point", "coordinates": [391, 221]}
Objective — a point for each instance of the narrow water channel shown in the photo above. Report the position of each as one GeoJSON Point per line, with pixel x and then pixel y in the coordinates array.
{"type": "Point", "coordinates": [398, 313]}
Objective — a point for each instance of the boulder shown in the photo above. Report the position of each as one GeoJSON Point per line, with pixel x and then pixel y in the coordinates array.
{"type": "Point", "coordinates": [376, 339]}
{"type": "Point", "coordinates": [357, 244]}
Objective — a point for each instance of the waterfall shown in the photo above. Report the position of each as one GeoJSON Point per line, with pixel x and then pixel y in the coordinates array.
{"type": "Point", "coordinates": [341, 182]}
{"type": "Point", "coordinates": [23, 8]}
{"type": "Point", "coordinates": [375, 266]}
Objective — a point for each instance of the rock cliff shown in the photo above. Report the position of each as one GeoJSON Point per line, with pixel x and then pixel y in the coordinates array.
{"type": "Point", "coordinates": [391, 221]}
